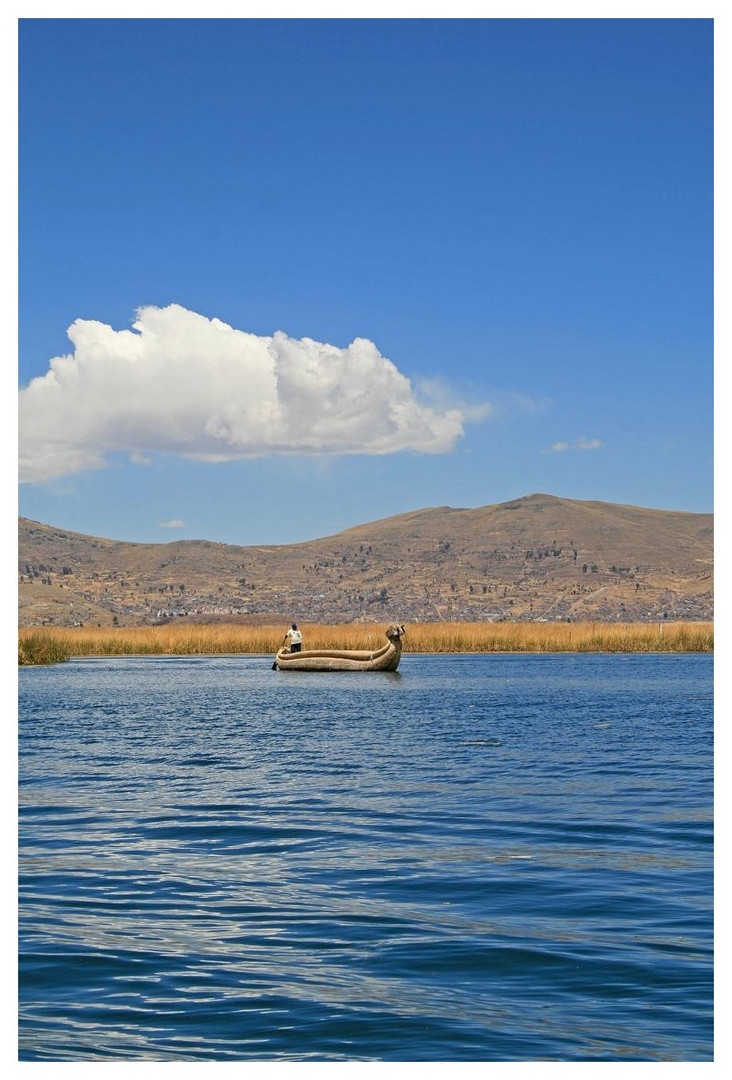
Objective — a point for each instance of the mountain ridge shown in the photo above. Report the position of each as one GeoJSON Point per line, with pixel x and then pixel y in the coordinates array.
{"type": "Point", "coordinates": [537, 557]}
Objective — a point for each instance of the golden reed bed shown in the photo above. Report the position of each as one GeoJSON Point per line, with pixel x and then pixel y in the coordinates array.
{"type": "Point", "coordinates": [447, 637]}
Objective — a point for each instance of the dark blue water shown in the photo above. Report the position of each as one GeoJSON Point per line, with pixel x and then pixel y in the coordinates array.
{"type": "Point", "coordinates": [498, 858]}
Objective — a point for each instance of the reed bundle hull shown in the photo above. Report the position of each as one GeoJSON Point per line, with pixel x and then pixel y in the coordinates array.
{"type": "Point", "coordinates": [384, 659]}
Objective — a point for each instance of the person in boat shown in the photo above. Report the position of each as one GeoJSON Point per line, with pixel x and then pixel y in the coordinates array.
{"type": "Point", "coordinates": [293, 638]}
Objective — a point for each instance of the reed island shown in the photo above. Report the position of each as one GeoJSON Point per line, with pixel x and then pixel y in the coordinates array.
{"type": "Point", "coordinates": [51, 644]}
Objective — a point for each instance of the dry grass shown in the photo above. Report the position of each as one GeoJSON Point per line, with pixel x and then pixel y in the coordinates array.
{"type": "Point", "coordinates": [41, 648]}
{"type": "Point", "coordinates": [444, 637]}
{"type": "Point", "coordinates": [561, 637]}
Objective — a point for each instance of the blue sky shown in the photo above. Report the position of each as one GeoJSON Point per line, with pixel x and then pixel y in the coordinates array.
{"type": "Point", "coordinates": [516, 216]}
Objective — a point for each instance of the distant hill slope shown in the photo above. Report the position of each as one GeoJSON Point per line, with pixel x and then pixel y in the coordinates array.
{"type": "Point", "coordinates": [539, 557]}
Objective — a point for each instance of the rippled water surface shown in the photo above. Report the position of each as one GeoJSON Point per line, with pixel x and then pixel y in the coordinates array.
{"type": "Point", "coordinates": [494, 858]}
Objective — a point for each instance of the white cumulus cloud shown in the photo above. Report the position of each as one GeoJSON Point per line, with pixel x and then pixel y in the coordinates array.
{"type": "Point", "coordinates": [180, 383]}
{"type": "Point", "coordinates": [174, 523]}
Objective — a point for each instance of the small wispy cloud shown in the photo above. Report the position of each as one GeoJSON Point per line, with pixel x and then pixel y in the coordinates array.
{"type": "Point", "coordinates": [579, 444]}
{"type": "Point", "coordinates": [442, 397]}
{"type": "Point", "coordinates": [180, 383]}
{"type": "Point", "coordinates": [516, 401]}
{"type": "Point", "coordinates": [174, 523]}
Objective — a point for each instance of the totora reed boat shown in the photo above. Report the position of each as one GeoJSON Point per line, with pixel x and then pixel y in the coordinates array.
{"type": "Point", "coordinates": [384, 659]}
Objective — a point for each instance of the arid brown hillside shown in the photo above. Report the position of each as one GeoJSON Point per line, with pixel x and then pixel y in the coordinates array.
{"type": "Point", "coordinates": [539, 557]}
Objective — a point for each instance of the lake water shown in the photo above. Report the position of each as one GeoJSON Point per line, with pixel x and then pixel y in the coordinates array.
{"type": "Point", "coordinates": [496, 858]}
